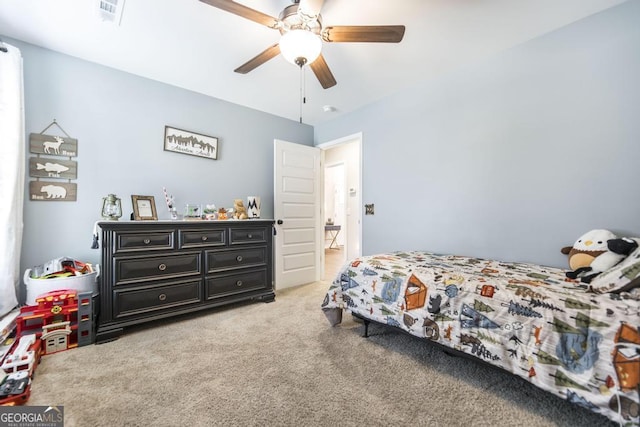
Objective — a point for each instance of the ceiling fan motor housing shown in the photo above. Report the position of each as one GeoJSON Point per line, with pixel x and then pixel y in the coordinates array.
{"type": "Point", "coordinates": [292, 20]}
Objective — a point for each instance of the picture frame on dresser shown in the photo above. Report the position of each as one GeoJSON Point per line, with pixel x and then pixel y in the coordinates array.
{"type": "Point", "coordinates": [144, 208]}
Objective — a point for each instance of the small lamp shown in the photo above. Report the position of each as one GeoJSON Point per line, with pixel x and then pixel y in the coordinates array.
{"type": "Point", "coordinates": [111, 207]}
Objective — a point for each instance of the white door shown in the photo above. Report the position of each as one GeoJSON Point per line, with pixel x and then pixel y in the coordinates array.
{"type": "Point", "coordinates": [298, 240]}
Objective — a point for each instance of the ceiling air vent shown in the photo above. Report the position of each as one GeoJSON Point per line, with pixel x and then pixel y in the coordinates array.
{"type": "Point", "coordinates": [110, 10]}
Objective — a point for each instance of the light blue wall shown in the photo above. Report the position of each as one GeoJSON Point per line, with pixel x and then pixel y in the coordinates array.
{"type": "Point", "coordinates": [514, 157]}
{"type": "Point", "coordinates": [510, 158]}
{"type": "Point", "coordinates": [119, 121]}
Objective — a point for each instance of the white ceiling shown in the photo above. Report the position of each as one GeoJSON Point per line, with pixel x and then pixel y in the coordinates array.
{"type": "Point", "coordinates": [189, 44]}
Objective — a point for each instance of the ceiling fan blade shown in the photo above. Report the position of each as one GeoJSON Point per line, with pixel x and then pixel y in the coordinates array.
{"type": "Point", "coordinates": [323, 73]}
{"type": "Point", "coordinates": [259, 59]}
{"type": "Point", "coordinates": [310, 8]}
{"type": "Point", "coordinates": [363, 33]}
{"type": "Point", "coordinates": [244, 11]}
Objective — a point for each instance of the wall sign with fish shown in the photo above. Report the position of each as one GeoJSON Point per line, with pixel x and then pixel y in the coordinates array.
{"type": "Point", "coordinates": [40, 167]}
{"type": "Point", "coordinates": [48, 164]}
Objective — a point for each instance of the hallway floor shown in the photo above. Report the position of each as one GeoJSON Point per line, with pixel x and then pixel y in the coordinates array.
{"type": "Point", "coordinates": [333, 261]}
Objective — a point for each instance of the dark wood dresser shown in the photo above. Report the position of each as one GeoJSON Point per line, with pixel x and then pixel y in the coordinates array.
{"type": "Point", "coordinates": [158, 269]}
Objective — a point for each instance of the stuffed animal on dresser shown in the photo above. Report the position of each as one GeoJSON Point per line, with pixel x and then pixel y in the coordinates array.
{"type": "Point", "coordinates": [239, 211]}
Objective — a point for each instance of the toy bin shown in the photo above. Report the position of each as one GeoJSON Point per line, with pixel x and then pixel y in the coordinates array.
{"type": "Point", "coordinates": [82, 283]}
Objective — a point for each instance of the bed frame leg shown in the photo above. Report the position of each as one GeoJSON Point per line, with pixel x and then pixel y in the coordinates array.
{"type": "Point", "coordinates": [366, 327]}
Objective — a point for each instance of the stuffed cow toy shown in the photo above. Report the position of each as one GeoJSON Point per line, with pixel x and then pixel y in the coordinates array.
{"type": "Point", "coordinates": [595, 252]}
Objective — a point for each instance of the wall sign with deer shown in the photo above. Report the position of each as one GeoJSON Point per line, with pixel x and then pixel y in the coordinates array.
{"type": "Point", "coordinates": [48, 164]}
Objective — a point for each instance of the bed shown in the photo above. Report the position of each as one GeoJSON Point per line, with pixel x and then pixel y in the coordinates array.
{"type": "Point", "coordinates": [527, 319]}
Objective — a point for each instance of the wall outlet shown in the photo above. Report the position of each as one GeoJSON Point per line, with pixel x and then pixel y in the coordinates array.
{"type": "Point", "coordinates": [368, 209]}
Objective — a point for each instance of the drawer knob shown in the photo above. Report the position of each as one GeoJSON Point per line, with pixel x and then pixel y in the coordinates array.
{"type": "Point", "coordinates": [162, 297]}
{"type": "Point", "coordinates": [239, 258]}
{"type": "Point", "coordinates": [239, 283]}
{"type": "Point", "coordinates": [204, 238]}
{"type": "Point", "coordinates": [146, 241]}
{"type": "Point", "coordinates": [250, 236]}
{"type": "Point", "coordinates": [162, 267]}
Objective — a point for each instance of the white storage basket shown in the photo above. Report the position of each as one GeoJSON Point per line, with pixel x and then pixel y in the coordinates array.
{"type": "Point", "coordinates": [83, 283]}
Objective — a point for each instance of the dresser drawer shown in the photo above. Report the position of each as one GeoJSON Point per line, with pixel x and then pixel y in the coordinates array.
{"type": "Point", "coordinates": [157, 240]}
{"type": "Point", "coordinates": [131, 302]}
{"type": "Point", "coordinates": [235, 258]}
{"type": "Point", "coordinates": [244, 235]}
{"type": "Point", "coordinates": [138, 269]}
{"type": "Point", "coordinates": [201, 238]}
{"type": "Point", "coordinates": [223, 285]}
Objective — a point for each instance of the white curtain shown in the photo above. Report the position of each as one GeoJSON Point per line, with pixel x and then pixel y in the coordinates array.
{"type": "Point", "coordinates": [11, 174]}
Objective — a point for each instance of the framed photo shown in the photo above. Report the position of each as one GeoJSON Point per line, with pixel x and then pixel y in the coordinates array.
{"type": "Point", "coordinates": [144, 208]}
{"type": "Point", "coordinates": [186, 142]}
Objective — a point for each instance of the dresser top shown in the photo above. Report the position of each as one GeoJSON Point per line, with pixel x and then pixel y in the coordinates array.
{"type": "Point", "coordinates": [185, 223]}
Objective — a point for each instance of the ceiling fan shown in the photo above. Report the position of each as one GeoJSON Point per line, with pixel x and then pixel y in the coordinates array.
{"type": "Point", "coordinates": [302, 35]}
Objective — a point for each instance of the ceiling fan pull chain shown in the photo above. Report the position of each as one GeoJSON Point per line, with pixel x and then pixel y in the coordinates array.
{"type": "Point", "coordinates": [304, 85]}
{"type": "Point", "coordinates": [301, 93]}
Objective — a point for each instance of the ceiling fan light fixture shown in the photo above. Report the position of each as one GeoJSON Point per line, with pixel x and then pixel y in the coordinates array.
{"type": "Point", "coordinates": [300, 46]}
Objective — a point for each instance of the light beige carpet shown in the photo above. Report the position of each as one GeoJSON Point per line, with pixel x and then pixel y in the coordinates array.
{"type": "Point", "coordinates": [281, 364]}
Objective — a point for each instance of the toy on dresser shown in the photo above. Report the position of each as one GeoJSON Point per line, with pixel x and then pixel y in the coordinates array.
{"type": "Point", "coordinates": [239, 211]}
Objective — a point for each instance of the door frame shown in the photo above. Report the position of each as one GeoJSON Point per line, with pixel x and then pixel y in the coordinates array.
{"type": "Point", "coordinates": [353, 138]}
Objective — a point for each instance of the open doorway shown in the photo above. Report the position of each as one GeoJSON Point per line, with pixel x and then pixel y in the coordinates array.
{"type": "Point", "coordinates": [335, 217]}
{"type": "Point", "coordinates": [342, 202]}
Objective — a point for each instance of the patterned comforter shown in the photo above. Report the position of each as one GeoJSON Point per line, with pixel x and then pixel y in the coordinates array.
{"type": "Point", "coordinates": [527, 319]}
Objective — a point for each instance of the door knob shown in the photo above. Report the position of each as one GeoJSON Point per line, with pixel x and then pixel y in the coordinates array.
{"type": "Point", "coordinates": [279, 222]}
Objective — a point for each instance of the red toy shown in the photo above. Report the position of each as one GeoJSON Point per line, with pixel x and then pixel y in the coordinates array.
{"type": "Point", "coordinates": [54, 320]}
{"type": "Point", "coordinates": [19, 364]}
{"type": "Point", "coordinates": [51, 326]}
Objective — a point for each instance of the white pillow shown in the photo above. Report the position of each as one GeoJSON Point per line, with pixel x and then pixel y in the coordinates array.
{"type": "Point", "coordinates": [620, 275]}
